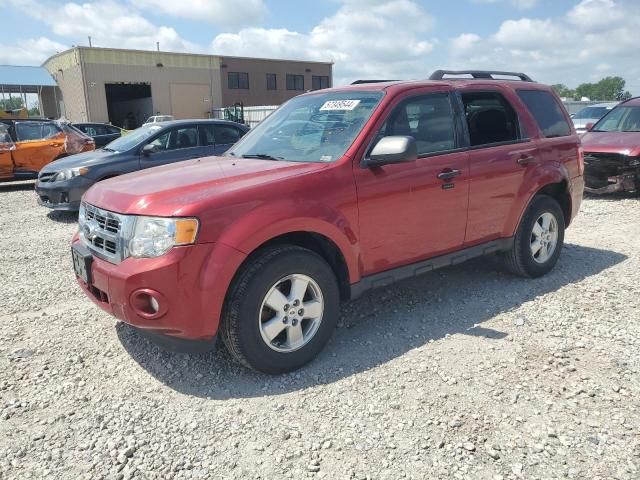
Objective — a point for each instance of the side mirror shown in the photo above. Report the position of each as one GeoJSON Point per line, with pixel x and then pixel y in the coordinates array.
{"type": "Point", "coordinates": [148, 149]}
{"type": "Point", "coordinates": [392, 149]}
{"type": "Point", "coordinates": [589, 126]}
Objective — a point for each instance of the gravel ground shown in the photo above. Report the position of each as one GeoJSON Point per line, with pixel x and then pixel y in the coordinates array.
{"type": "Point", "coordinates": [466, 373]}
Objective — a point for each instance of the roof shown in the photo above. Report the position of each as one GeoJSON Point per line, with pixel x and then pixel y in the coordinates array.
{"type": "Point", "coordinates": [15, 76]}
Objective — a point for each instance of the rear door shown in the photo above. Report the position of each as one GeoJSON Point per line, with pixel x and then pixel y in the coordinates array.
{"type": "Point", "coordinates": [173, 145]}
{"type": "Point", "coordinates": [37, 144]}
{"type": "Point", "coordinates": [499, 151]}
{"type": "Point", "coordinates": [6, 148]}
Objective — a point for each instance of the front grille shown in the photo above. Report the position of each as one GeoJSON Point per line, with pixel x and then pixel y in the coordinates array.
{"type": "Point", "coordinates": [46, 176]}
{"type": "Point", "coordinates": [104, 232]}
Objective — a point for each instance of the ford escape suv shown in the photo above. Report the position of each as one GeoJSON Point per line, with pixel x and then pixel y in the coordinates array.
{"type": "Point", "coordinates": [338, 192]}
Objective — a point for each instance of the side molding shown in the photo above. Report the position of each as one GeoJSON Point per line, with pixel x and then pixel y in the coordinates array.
{"type": "Point", "coordinates": [388, 277]}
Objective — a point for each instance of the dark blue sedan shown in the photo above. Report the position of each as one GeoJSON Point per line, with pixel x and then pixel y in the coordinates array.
{"type": "Point", "coordinates": [61, 183]}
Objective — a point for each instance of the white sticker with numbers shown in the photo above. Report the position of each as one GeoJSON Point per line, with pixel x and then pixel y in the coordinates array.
{"type": "Point", "coordinates": [340, 105]}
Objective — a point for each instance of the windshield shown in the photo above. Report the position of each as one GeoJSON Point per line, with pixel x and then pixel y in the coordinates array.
{"type": "Point", "coordinates": [620, 119]}
{"type": "Point", "coordinates": [133, 139]}
{"type": "Point", "coordinates": [310, 128]}
{"type": "Point", "coordinates": [591, 112]}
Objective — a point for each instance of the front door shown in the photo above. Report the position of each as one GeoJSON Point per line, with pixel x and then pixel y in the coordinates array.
{"type": "Point", "coordinates": [415, 210]}
{"type": "Point", "coordinates": [37, 144]}
{"type": "Point", "coordinates": [174, 145]}
{"type": "Point", "coordinates": [6, 147]}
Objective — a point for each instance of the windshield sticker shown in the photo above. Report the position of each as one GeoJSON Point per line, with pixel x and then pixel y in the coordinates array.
{"type": "Point", "coordinates": [340, 105]}
{"type": "Point", "coordinates": [326, 158]}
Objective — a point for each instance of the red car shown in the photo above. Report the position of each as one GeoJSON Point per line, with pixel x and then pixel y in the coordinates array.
{"type": "Point", "coordinates": [612, 150]}
{"type": "Point", "coordinates": [338, 192]}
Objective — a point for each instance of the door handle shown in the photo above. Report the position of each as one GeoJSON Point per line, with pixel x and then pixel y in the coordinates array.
{"type": "Point", "coordinates": [525, 159]}
{"type": "Point", "coordinates": [55, 144]}
{"type": "Point", "coordinates": [448, 174]}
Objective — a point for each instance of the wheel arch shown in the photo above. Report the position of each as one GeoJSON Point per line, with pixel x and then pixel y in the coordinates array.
{"type": "Point", "coordinates": [552, 180]}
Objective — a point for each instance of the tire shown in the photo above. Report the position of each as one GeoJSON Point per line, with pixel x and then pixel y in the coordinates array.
{"type": "Point", "coordinates": [521, 259]}
{"type": "Point", "coordinates": [253, 311]}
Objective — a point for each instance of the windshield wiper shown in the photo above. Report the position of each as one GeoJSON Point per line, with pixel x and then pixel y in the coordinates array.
{"type": "Point", "coordinates": [261, 156]}
{"type": "Point", "coordinates": [106, 149]}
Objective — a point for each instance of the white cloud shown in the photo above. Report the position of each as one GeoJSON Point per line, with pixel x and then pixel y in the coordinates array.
{"type": "Point", "coordinates": [29, 52]}
{"type": "Point", "coordinates": [217, 12]}
{"type": "Point", "coordinates": [109, 23]}
{"type": "Point", "coordinates": [592, 38]}
{"type": "Point", "coordinates": [366, 39]}
{"type": "Point", "coordinates": [521, 4]}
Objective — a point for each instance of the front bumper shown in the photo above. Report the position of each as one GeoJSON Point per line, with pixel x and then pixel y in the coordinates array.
{"type": "Point", "coordinates": [64, 195]}
{"type": "Point", "coordinates": [189, 283]}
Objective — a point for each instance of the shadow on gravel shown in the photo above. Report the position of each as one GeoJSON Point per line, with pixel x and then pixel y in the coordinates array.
{"type": "Point", "coordinates": [377, 328]}
{"type": "Point", "coordinates": [17, 186]}
{"type": "Point", "coordinates": [63, 217]}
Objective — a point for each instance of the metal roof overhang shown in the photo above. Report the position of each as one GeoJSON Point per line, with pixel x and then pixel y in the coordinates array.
{"type": "Point", "coordinates": [19, 79]}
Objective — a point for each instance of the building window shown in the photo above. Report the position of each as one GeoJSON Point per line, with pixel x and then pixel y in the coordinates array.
{"type": "Point", "coordinates": [295, 82]}
{"type": "Point", "coordinates": [271, 81]}
{"type": "Point", "coordinates": [319, 82]}
{"type": "Point", "coordinates": [238, 80]}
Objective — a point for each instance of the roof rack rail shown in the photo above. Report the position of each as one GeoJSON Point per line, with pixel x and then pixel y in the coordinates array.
{"type": "Point", "coordinates": [479, 74]}
{"type": "Point", "coordinates": [358, 82]}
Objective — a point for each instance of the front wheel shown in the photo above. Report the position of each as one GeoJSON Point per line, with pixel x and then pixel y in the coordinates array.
{"type": "Point", "coordinates": [281, 309]}
{"type": "Point", "coordinates": [539, 239]}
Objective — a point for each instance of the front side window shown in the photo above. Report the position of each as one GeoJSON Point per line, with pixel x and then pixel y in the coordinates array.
{"type": "Point", "coordinates": [295, 82]}
{"type": "Point", "coordinates": [176, 139]}
{"type": "Point", "coordinates": [490, 118]}
{"type": "Point", "coordinates": [319, 82]}
{"type": "Point", "coordinates": [28, 131]}
{"type": "Point", "coordinates": [427, 118]}
{"type": "Point", "coordinates": [310, 128]}
{"type": "Point", "coordinates": [547, 111]}
{"type": "Point", "coordinates": [238, 80]}
{"type": "Point", "coordinates": [620, 119]}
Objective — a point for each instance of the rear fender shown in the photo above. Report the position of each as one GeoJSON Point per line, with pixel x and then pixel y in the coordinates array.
{"type": "Point", "coordinates": [536, 178]}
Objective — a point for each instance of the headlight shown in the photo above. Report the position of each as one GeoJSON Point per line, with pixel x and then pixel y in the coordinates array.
{"type": "Point", "coordinates": [69, 173]}
{"type": "Point", "coordinates": [154, 236]}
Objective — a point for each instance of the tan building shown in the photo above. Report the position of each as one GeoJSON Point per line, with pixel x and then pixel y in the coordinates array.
{"type": "Point", "coordinates": [125, 87]}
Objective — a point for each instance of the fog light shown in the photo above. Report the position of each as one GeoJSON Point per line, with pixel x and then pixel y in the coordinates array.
{"type": "Point", "coordinates": [148, 303]}
{"type": "Point", "coordinates": [153, 303]}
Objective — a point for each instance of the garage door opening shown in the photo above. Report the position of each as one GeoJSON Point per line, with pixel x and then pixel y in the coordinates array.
{"type": "Point", "coordinates": [128, 104]}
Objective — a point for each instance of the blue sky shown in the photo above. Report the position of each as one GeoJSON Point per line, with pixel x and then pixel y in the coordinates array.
{"type": "Point", "coordinates": [562, 41]}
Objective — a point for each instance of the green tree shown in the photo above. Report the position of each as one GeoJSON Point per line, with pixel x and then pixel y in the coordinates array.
{"type": "Point", "coordinates": [12, 103]}
{"type": "Point", "coordinates": [609, 88]}
{"type": "Point", "coordinates": [563, 91]}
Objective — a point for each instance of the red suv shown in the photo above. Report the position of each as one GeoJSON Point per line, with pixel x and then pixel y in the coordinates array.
{"type": "Point", "coordinates": [339, 191]}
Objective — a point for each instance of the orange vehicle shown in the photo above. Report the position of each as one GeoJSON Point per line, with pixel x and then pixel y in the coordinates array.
{"type": "Point", "coordinates": [28, 145]}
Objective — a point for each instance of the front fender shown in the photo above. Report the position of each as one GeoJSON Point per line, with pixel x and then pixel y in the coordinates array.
{"type": "Point", "coordinates": [274, 219]}
{"type": "Point", "coordinates": [536, 178]}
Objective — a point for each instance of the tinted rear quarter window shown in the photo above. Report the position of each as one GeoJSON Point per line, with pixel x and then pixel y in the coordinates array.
{"type": "Point", "coordinates": [547, 111]}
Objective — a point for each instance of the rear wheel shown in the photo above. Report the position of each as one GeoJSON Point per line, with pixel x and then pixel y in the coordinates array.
{"type": "Point", "coordinates": [539, 239]}
{"type": "Point", "coordinates": [281, 309]}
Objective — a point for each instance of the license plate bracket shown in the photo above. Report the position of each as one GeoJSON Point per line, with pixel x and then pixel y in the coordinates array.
{"type": "Point", "coordinates": [82, 260]}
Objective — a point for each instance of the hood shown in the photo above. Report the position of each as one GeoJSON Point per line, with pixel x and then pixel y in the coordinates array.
{"type": "Point", "coordinates": [85, 159]}
{"type": "Point", "coordinates": [184, 188]}
{"type": "Point", "coordinates": [626, 143]}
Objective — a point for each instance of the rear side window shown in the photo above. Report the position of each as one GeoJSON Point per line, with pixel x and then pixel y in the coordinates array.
{"type": "Point", "coordinates": [226, 134]}
{"type": "Point", "coordinates": [547, 112]}
{"type": "Point", "coordinates": [490, 118]}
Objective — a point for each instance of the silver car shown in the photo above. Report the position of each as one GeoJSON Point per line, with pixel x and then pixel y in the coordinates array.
{"type": "Point", "coordinates": [591, 114]}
